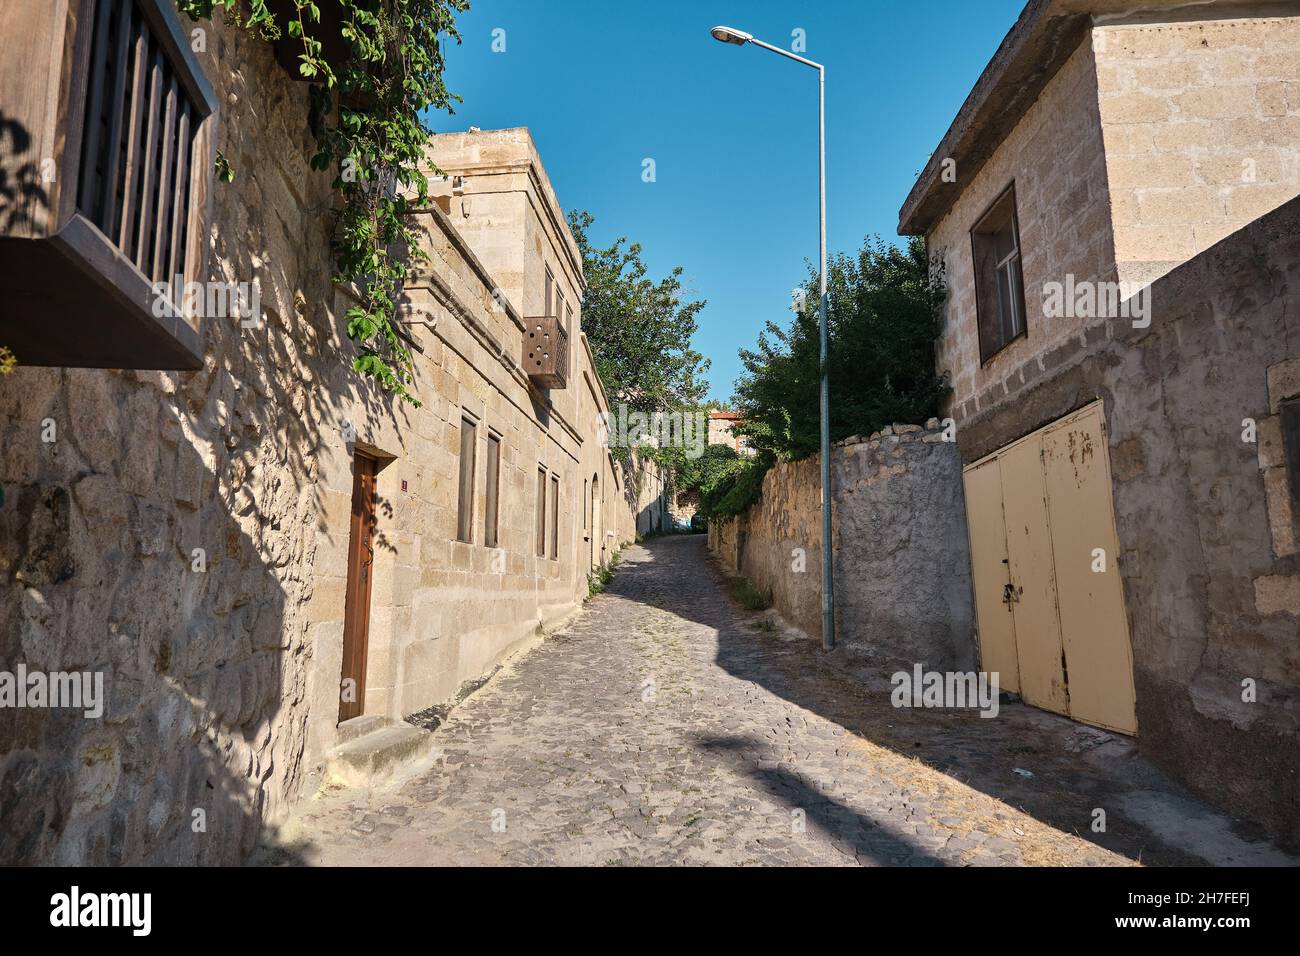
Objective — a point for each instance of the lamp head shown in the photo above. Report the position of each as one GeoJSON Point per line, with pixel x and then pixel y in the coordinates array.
{"type": "Point", "coordinates": [731, 35]}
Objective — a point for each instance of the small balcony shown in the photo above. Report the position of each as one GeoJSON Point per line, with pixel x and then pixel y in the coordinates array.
{"type": "Point", "coordinates": [104, 187]}
{"type": "Point", "coordinates": [546, 352]}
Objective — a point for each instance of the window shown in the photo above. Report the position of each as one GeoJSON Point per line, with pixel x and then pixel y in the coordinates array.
{"type": "Point", "coordinates": [465, 497]}
{"type": "Point", "coordinates": [999, 284]}
{"type": "Point", "coordinates": [584, 504]}
{"type": "Point", "coordinates": [493, 489]}
{"type": "Point", "coordinates": [541, 512]}
{"type": "Point", "coordinates": [1291, 443]}
{"type": "Point", "coordinates": [559, 305]}
{"type": "Point", "coordinates": [555, 517]}
{"type": "Point", "coordinates": [547, 293]}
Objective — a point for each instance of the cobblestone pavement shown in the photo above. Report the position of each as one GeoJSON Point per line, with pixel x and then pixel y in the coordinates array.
{"type": "Point", "coordinates": [667, 726]}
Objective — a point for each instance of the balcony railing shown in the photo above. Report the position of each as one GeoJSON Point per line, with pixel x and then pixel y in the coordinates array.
{"type": "Point", "coordinates": [546, 351]}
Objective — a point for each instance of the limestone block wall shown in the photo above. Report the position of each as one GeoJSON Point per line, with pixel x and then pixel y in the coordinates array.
{"type": "Point", "coordinates": [222, 684]}
{"type": "Point", "coordinates": [204, 671]}
{"type": "Point", "coordinates": [1154, 141]}
{"type": "Point", "coordinates": [1201, 121]}
{"type": "Point", "coordinates": [902, 562]}
{"type": "Point", "coordinates": [1206, 520]}
{"type": "Point", "coordinates": [1056, 161]}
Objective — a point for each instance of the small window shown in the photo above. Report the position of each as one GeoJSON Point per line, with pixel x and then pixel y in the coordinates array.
{"type": "Point", "coordinates": [1291, 443]}
{"type": "Point", "coordinates": [465, 497]}
{"type": "Point", "coordinates": [493, 489]}
{"type": "Point", "coordinates": [584, 504]}
{"type": "Point", "coordinates": [548, 293]}
{"type": "Point", "coordinates": [559, 306]}
{"type": "Point", "coordinates": [999, 283]}
{"type": "Point", "coordinates": [541, 512]}
{"type": "Point", "coordinates": [555, 517]}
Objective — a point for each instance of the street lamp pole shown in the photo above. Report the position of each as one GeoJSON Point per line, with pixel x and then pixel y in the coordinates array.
{"type": "Point", "coordinates": [740, 38]}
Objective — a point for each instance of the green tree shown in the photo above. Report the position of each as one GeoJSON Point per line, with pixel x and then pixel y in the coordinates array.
{"type": "Point", "coordinates": [640, 330]}
{"type": "Point", "coordinates": [884, 316]}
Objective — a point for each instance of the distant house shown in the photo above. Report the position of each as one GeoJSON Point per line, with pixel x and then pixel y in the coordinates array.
{"type": "Point", "coordinates": [1115, 207]}
{"type": "Point", "coordinates": [722, 431]}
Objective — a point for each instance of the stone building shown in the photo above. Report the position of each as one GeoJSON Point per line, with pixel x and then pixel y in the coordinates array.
{"type": "Point", "coordinates": [1115, 208]}
{"type": "Point", "coordinates": [269, 561]}
{"type": "Point", "coordinates": [722, 431]}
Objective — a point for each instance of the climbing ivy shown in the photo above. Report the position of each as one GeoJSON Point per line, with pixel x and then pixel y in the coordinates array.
{"type": "Point", "coordinates": [367, 114]}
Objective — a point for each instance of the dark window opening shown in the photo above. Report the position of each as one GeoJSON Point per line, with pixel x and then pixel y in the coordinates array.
{"type": "Point", "coordinates": [1291, 443]}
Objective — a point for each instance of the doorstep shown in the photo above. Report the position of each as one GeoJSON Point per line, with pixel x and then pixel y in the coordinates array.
{"type": "Point", "coordinates": [373, 750]}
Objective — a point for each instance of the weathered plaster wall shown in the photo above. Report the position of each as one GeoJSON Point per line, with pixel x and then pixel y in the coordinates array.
{"type": "Point", "coordinates": [902, 560]}
{"type": "Point", "coordinates": [902, 563]}
{"type": "Point", "coordinates": [1211, 577]}
{"type": "Point", "coordinates": [1201, 121]}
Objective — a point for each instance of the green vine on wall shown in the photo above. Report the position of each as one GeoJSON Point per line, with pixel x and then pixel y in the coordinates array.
{"type": "Point", "coordinates": [367, 115]}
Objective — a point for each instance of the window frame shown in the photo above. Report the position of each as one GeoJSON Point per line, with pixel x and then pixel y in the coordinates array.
{"type": "Point", "coordinates": [1289, 425]}
{"type": "Point", "coordinates": [540, 523]}
{"type": "Point", "coordinates": [987, 351]}
{"type": "Point", "coordinates": [555, 516]}
{"type": "Point", "coordinates": [492, 489]}
{"type": "Point", "coordinates": [465, 480]}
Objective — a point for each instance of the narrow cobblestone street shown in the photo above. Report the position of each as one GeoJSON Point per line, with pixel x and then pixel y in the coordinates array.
{"type": "Point", "coordinates": [667, 726]}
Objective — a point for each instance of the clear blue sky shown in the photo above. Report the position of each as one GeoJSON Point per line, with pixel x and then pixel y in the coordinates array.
{"type": "Point", "coordinates": [605, 84]}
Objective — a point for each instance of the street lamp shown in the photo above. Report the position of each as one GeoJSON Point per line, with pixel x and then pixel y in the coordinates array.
{"type": "Point", "coordinates": [740, 38]}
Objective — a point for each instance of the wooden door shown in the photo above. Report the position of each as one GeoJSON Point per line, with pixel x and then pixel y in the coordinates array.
{"type": "Point", "coordinates": [597, 542]}
{"type": "Point", "coordinates": [356, 614]}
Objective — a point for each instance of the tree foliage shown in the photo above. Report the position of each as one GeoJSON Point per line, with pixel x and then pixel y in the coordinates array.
{"type": "Point", "coordinates": [368, 116]}
{"type": "Point", "coordinates": [884, 315]}
{"type": "Point", "coordinates": [640, 329]}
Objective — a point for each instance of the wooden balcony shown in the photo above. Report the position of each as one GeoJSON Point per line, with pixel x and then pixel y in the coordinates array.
{"type": "Point", "coordinates": [107, 144]}
{"type": "Point", "coordinates": [546, 352]}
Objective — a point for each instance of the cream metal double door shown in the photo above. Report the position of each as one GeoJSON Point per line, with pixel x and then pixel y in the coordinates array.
{"type": "Point", "coordinates": [1044, 555]}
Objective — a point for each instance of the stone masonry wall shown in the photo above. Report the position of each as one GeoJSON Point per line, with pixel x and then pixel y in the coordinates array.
{"type": "Point", "coordinates": [1056, 161]}
{"type": "Point", "coordinates": [1205, 518]}
{"type": "Point", "coordinates": [222, 684]}
{"type": "Point", "coordinates": [204, 672]}
{"type": "Point", "coordinates": [902, 562]}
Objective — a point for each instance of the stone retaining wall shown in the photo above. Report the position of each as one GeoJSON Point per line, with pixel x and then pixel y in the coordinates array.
{"type": "Point", "coordinates": [902, 564]}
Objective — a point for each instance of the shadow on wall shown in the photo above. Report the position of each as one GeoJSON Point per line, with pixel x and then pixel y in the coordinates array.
{"type": "Point", "coordinates": [21, 185]}
{"type": "Point", "coordinates": [117, 488]}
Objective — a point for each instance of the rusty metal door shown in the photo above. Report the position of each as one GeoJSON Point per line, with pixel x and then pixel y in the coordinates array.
{"type": "Point", "coordinates": [1085, 553]}
{"type": "Point", "coordinates": [356, 613]}
{"type": "Point", "coordinates": [992, 576]}
{"type": "Point", "coordinates": [1044, 553]}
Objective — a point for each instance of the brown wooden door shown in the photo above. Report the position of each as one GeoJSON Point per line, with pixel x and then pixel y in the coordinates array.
{"type": "Point", "coordinates": [356, 614]}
